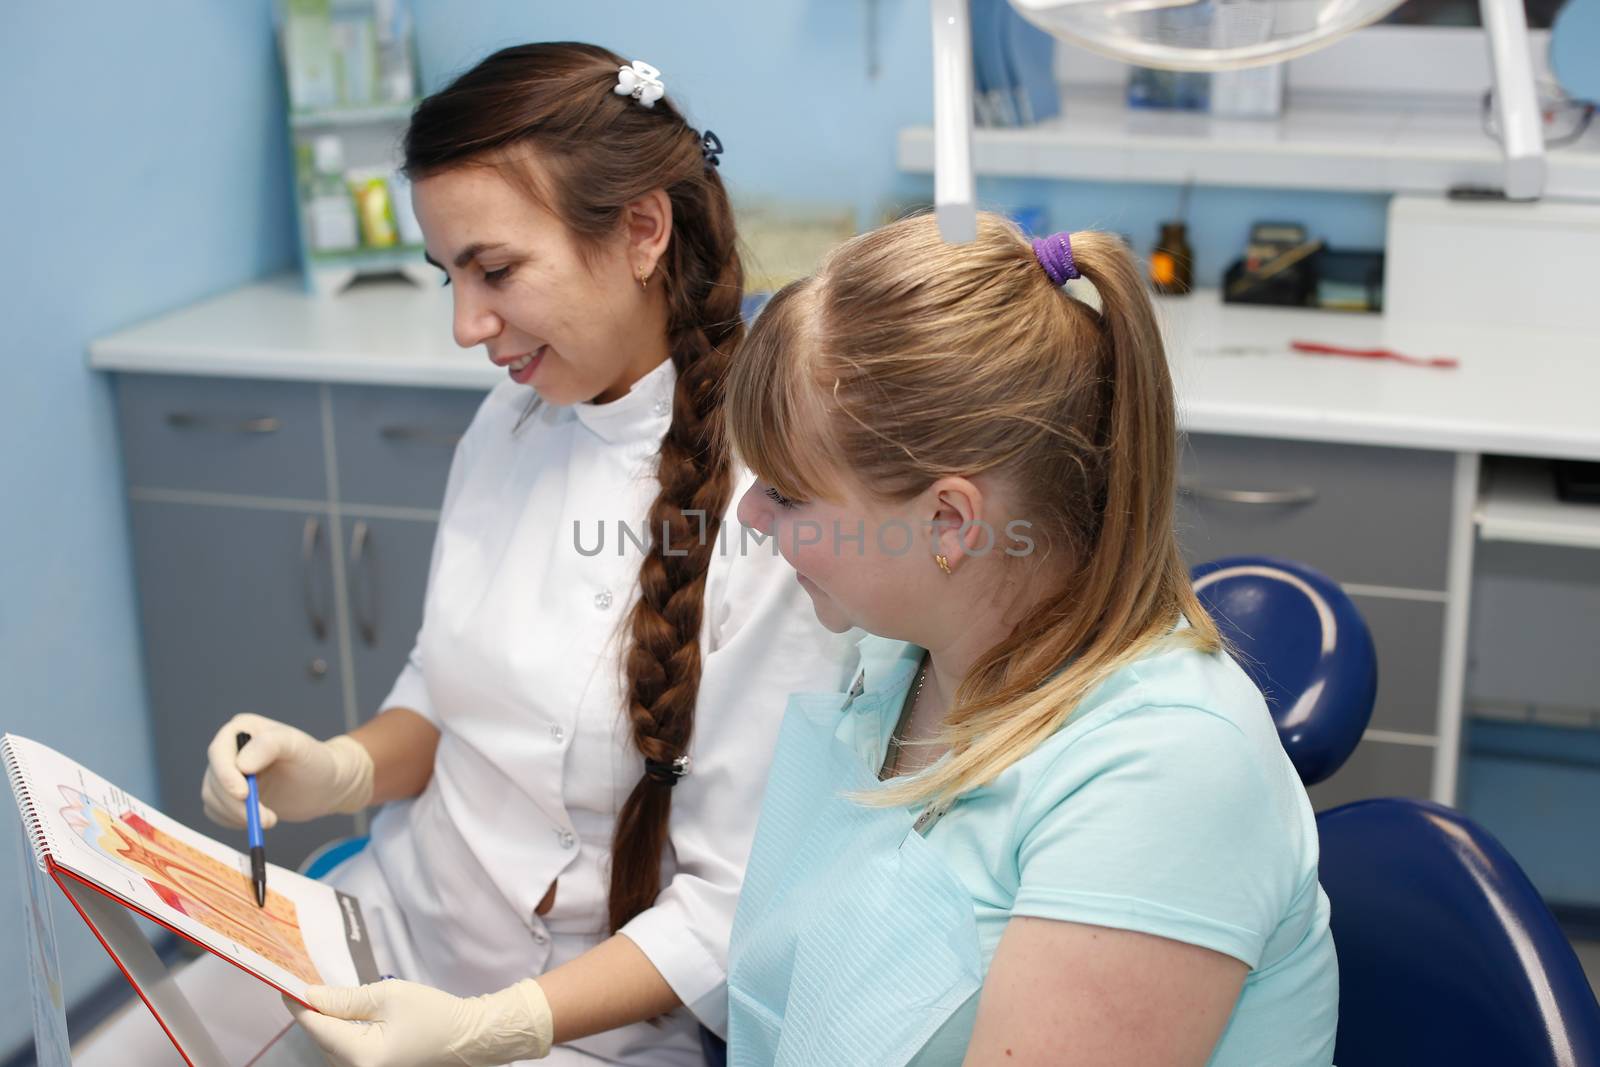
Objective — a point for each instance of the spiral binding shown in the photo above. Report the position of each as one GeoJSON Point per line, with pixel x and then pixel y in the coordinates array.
{"type": "Point", "coordinates": [30, 815]}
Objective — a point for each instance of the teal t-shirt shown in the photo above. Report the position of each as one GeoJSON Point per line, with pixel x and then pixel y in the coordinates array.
{"type": "Point", "coordinates": [1165, 805]}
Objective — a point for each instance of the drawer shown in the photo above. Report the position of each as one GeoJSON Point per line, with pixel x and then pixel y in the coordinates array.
{"type": "Point", "coordinates": [394, 444]}
{"type": "Point", "coordinates": [1535, 617]}
{"type": "Point", "coordinates": [1363, 515]}
{"type": "Point", "coordinates": [1409, 637]}
{"type": "Point", "coordinates": [1377, 769]}
{"type": "Point", "coordinates": [222, 435]}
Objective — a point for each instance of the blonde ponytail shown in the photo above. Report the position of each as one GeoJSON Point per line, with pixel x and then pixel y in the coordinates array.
{"type": "Point", "coordinates": [940, 360]}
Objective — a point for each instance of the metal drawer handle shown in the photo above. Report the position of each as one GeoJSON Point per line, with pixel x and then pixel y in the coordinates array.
{"type": "Point", "coordinates": [364, 583]}
{"type": "Point", "coordinates": [187, 420]}
{"type": "Point", "coordinates": [1250, 496]}
{"type": "Point", "coordinates": [421, 435]}
{"type": "Point", "coordinates": [316, 614]}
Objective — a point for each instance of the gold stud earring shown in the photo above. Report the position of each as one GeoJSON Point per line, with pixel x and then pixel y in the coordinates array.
{"type": "Point", "coordinates": [944, 564]}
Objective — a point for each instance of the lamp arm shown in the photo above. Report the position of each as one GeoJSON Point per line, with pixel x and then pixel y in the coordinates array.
{"type": "Point", "coordinates": [1516, 102]}
{"type": "Point", "coordinates": [955, 204]}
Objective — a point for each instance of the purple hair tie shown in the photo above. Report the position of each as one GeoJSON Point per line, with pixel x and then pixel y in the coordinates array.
{"type": "Point", "coordinates": [1055, 256]}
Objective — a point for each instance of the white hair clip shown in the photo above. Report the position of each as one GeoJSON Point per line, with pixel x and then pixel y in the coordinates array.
{"type": "Point", "coordinates": [641, 81]}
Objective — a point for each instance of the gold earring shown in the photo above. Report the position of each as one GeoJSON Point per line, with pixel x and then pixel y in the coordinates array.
{"type": "Point", "coordinates": [944, 564]}
{"type": "Point", "coordinates": [644, 278]}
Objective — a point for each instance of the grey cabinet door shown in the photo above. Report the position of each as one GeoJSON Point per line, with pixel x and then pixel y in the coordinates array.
{"type": "Point", "coordinates": [1359, 514]}
{"type": "Point", "coordinates": [222, 435]}
{"type": "Point", "coordinates": [1409, 638]}
{"type": "Point", "coordinates": [387, 562]}
{"type": "Point", "coordinates": [1377, 769]}
{"type": "Point", "coordinates": [228, 601]}
{"type": "Point", "coordinates": [394, 443]}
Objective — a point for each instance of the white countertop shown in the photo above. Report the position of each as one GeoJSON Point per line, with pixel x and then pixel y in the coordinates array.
{"type": "Point", "coordinates": [385, 332]}
{"type": "Point", "coordinates": [1516, 392]}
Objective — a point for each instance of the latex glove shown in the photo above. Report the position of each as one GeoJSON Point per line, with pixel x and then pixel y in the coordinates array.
{"type": "Point", "coordinates": [403, 1024]}
{"type": "Point", "coordinates": [299, 777]}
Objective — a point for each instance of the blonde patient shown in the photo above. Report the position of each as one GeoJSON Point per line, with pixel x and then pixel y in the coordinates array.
{"type": "Point", "coordinates": [1051, 821]}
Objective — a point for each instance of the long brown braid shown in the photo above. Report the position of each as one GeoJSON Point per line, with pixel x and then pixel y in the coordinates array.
{"type": "Point", "coordinates": [599, 152]}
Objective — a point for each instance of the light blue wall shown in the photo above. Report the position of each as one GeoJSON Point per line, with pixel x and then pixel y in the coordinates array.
{"type": "Point", "coordinates": [782, 82]}
{"type": "Point", "coordinates": [143, 168]}
{"type": "Point", "coordinates": [785, 85]}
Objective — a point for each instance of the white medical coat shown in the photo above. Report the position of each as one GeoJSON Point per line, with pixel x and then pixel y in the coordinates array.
{"type": "Point", "coordinates": [518, 663]}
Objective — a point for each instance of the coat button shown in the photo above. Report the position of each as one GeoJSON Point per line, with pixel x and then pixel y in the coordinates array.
{"type": "Point", "coordinates": [566, 839]}
{"type": "Point", "coordinates": [602, 599]}
{"type": "Point", "coordinates": [557, 734]}
{"type": "Point", "coordinates": [540, 937]}
{"type": "Point", "coordinates": [663, 406]}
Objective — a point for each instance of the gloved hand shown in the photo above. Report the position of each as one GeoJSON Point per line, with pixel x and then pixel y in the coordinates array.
{"type": "Point", "coordinates": [299, 777]}
{"type": "Point", "coordinates": [404, 1024]}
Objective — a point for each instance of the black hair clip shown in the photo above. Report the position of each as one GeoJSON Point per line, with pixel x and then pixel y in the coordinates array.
{"type": "Point", "coordinates": [711, 148]}
{"type": "Point", "coordinates": [667, 773]}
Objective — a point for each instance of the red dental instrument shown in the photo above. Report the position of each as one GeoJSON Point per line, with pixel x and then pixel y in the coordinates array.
{"type": "Point", "coordinates": [1317, 348]}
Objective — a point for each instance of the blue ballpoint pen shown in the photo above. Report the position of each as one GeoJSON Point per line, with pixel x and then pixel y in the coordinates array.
{"type": "Point", "coordinates": [258, 845]}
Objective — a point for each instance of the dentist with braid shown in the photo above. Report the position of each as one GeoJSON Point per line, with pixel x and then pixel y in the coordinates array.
{"type": "Point", "coordinates": [572, 761]}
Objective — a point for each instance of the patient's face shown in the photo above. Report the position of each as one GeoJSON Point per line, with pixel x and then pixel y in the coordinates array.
{"type": "Point", "coordinates": [864, 562]}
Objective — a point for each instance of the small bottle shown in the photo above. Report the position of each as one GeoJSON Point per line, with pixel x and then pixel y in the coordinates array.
{"type": "Point", "coordinates": [1172, 261]}
{"type": "Point", "coordinates": [374, 209]}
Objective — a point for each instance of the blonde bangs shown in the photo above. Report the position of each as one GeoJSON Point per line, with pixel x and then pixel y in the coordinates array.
{"type": "Point", "coordinates": [775, 414]}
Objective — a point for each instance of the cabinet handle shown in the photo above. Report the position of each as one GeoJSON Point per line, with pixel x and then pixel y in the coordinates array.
{"type": "Point", "coordinates": [364, 583]}
{"type": "Point", "coordinates": [1249, 496]}
{"type": "Point", "coordinates": [316, 614]}
{"type": "Point", "coordinates": [421, 435]}
{"type": "Point", "coordinates": [186, 420]}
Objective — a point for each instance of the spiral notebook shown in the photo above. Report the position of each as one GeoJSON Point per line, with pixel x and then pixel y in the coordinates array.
{"type": "Point", "coordinates": [114, 857]}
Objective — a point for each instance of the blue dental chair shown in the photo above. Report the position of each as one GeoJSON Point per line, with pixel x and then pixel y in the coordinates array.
{"type": "Point", "coordinates": [1302, 641]}
{"type": "Point", "coordinates": [1447, 954]}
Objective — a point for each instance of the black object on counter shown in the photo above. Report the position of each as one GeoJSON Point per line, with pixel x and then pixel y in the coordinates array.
{"type": "Point", "coordinates": [1290, 288]}
{"type": "Point", "coordinates": [1308, 275]}
{"type": "Point", "coordinates": [1577, 481]}
{"type": "Point", "coordinates": [1349, 280]}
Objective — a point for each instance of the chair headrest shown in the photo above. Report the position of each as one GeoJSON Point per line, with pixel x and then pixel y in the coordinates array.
{"type": "Point", "coordinates": [1305, 645]}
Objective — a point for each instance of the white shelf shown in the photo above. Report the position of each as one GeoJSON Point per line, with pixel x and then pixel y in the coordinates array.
{"type": "Point", "coordinates": [1351, 146]}
{"type": "Point", "coordinates": [1518, 503]}
{"type": "Point", "coordinates": [370, 259]}
{"type": "Point", "coordinates": [352, 116]}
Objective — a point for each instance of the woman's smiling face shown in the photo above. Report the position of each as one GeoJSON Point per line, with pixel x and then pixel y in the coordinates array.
{"type": "Point", "coordinates": [567, 323]}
